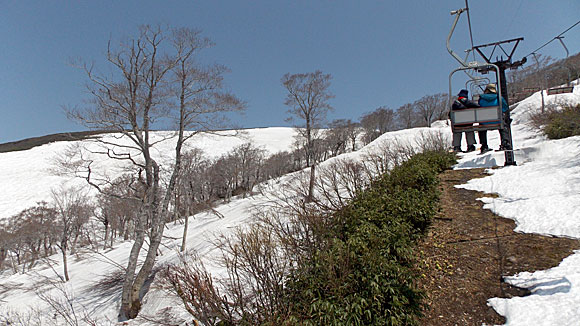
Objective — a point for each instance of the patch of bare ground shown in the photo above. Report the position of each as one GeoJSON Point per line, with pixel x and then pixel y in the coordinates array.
{"type": "Point", "coordinates": [469, 249]}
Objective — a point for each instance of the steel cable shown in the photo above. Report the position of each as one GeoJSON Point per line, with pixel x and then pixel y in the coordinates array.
{"type": "Point", "coordinates": [555, 38]}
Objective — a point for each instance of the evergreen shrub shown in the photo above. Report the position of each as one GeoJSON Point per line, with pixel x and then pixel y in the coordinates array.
{"type": "Point", "coordinates": [364, 275]}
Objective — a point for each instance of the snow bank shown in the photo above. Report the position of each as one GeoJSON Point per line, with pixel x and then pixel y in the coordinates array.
{"type": "Point", "coordinates": [542, 195]}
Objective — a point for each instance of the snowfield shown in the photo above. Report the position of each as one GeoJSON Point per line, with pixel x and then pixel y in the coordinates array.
{"type": "Point", "coordinates": [541, 193]}
{"type": "Point", "coordinates": [27, 176]}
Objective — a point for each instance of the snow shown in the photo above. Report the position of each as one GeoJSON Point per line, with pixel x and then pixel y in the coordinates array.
{"type": "Point", "coordinates": [541, 194]}
{"type": "Point", "coordinates": [27, 176]}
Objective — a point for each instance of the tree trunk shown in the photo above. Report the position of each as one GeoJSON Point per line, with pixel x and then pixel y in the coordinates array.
{"type": "Point", "coordinates": [2, 256]}
{"type": "Point", "coordinates": [133, 305]}
{"type": "Point", "coordinates": [158, 213]}
{"type": "Point", "coordinates": [14, 264]}
{"type": "Point", "coordinates": [126, 231]}
{"type": "Point", "coordinates": [312, 160]}
{"type": "Point", "coordinates": [310, 197]}
{"type": "Point", "coordinates": [106, 236]}
{"type": "Point", "coordinates": [127, 310]}
{"type": "Point", "coordinates": [64, 262]}
{"type": "Point", "coordinates": [46, 246]}
{"type": "Point", "coordinates": [185, 226]}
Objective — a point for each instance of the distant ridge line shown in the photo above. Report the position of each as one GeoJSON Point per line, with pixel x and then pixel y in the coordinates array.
{"type": "Point", "coordinates": [28, 143]}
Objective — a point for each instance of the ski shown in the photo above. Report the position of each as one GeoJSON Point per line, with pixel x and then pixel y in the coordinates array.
{"type": "Point", "coordinates": [507, 150]}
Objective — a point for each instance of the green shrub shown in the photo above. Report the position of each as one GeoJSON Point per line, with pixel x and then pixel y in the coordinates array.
{"type": "Point", "coordinates": [563, 123]}
{"type": "Point", "coordinates": [364, 275]}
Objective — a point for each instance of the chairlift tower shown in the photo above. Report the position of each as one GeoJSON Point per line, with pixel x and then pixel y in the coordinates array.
{"type": "Point", "coordinates": [503, 65]}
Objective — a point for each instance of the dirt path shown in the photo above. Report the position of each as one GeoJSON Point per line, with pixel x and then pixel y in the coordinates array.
{"type": "Point", "coordinates": [469, 249]}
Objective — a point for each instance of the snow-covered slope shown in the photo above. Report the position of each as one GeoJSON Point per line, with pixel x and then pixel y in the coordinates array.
{"type": "Point", "coordinates": [89, 269]}
{"type": "Point", "coordinates": [541, 193]}
{"type": "Point", "coordinates": [27, 176]}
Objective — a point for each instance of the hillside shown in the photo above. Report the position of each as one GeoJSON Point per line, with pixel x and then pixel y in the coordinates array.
{"type": "Point", "coordinates": [538, 194]}
{"type": "Point", "coordinates": [544, 73]}
{"type": "Point", "coordinates": [89, 271]}
{"type": "Point", "coordinates": [28, 175]}
{"type": "Point", "coordinates": [28, 143]}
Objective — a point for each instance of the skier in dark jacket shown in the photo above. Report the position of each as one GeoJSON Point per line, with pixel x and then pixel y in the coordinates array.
{"type": "Point", "coordinates": [490, 98]}
{"type": "Point", "coordinates": [462, 102]}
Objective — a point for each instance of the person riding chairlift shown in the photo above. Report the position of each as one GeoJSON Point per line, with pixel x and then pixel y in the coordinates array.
{"type": "Point", "coordinates": [462, 102]}
{"type": "Point", "coordinates": [490, 98]}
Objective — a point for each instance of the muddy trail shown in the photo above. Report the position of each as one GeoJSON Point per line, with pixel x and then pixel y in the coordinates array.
{"type": "Point", "coordinates": [469, 249]}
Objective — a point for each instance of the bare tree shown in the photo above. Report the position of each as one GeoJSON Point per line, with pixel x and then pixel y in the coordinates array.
{"type": "Point", "coordinates": [29, 235]}
{"type": "Point", "coordinates": [377, 123]}
{"type": "Point", "coordinates": [278, 165]}
{"type": "Point", "coordinates": [251, 292]}
{"type": "Point", "coordinates": [431, 108]}
{"type": "Point", "coordinates": [308, 97]}
{"type": "Point", "coordinates": [352, 131]}
{"type": "Point", "coordinates": [72, 211]}
{"type": "Point", "coordinates": [407, 116]}
{"type": "Point", "coordinates": [222, 176]}
{"type": "Point", "coordinates": [338, 183]}
{"type": "Point", "coordinates": [4, 245]}
{"type": "Point", "coordinates": [441, 106]}
{"type": "Point", "coordinates": [65, 307]}
{"type": "Point", "coordinates": [157, 80]}
{"type": "Point", "coordinates": [249, 160]}
{"type": "Point", "coordinates": [341, 136]}
{"type": "Point", "coordinates": [118, 207]}
{"type": "Point", "coordinates": [533, 77]}
{"type": "Point", "coordinates": [190, 191]}
{"type": "Point", "coordinates": [388, 154]}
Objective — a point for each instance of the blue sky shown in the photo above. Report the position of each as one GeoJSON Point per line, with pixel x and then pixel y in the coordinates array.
{"type": "Point", "coordinates": [378, 52]}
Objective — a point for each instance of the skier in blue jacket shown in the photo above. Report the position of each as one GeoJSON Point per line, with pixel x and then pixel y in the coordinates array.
{"type": "Point", "coordinates": [490, 98]}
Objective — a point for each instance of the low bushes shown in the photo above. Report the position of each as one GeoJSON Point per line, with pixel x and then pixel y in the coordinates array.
{"type": "Point", "coordinates": [303, 265]}
{"type": "Point", "coordinates": [557, 124]}
{"type": "Point", "coordinates": [564, 123]}
{"type": "Point", "coordinates": [364, 274]}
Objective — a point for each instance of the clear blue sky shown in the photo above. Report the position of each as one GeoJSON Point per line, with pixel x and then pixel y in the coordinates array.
{"type": "Point", "coordinates": [379, 52]}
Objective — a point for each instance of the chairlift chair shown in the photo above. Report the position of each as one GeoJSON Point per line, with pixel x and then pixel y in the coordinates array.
{"type": "Point", "coordinates": [476, 86]}
{"type": "Point", "coordinates": [560, 90]}
{"type": "Point", "coordinates": [481, 118]}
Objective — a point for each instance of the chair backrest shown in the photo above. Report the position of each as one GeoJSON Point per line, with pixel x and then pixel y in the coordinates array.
{"type": "Point", "coordinates": [477, 119]}
{"type": "Point", "coordinates": [560, 90]}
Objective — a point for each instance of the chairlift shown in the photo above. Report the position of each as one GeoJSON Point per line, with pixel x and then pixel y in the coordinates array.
{"type": "Point", "coordinates": [480, 118]}
{"type": "Point", "coordinates": [567, 88]}
{"type": "Point", "coordinates": [485, 118]}
{"type": "Point", "coordinates": [473, 119]}
{"type": "Point", "coordinates": [476, 86]}
{"type": "Point", "coordinates": [562, 89]}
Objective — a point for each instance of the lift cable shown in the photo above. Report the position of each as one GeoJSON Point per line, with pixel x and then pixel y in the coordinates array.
{"type": "Point", "coordinates": [469, 24]}
{"type": "Point", "coordinates": [558, 37]}
{"type": "Point", "coordinates": [517, 11]}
